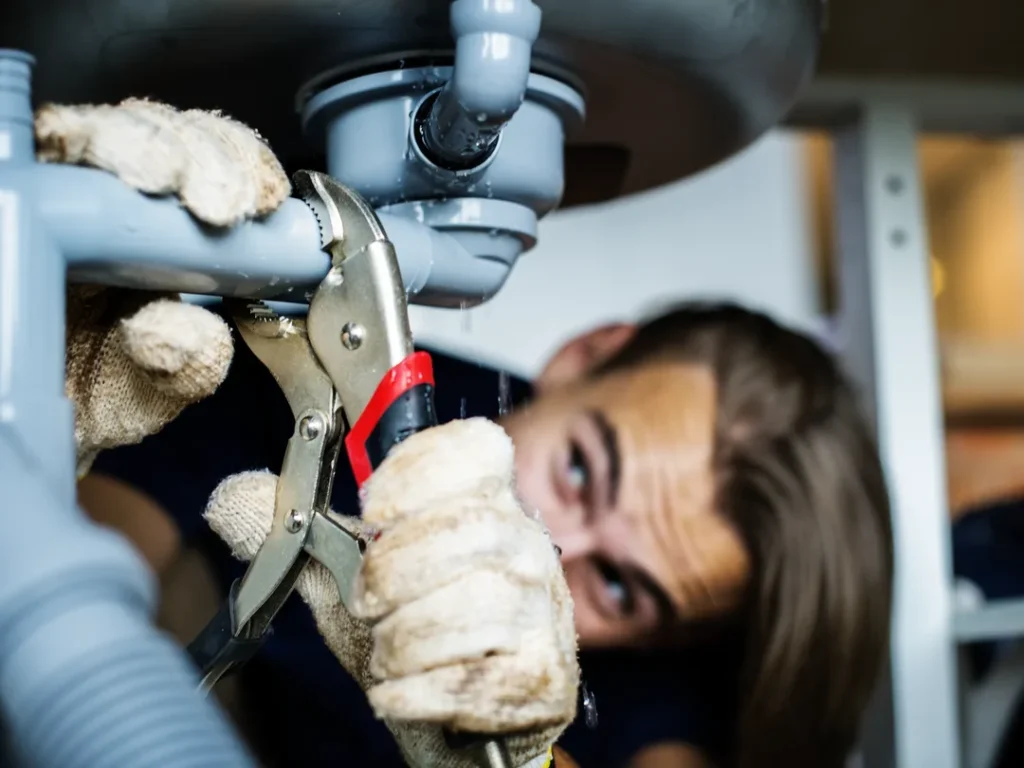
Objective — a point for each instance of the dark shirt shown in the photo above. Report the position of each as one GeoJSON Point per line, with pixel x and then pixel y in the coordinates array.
{"type": "Point", "coordinates": [988, 550]}
{"type": "Point", "coordinates": [307, 710]}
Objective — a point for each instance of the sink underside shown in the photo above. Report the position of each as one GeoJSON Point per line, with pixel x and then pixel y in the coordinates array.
{"type": "Point", "coordinates": [672, 86]}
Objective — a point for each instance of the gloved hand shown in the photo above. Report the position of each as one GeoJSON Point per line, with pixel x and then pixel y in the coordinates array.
{"type": "Point", "coordinates": [136, 359]}
{"type": "Point", "coordinates": [464, 618]}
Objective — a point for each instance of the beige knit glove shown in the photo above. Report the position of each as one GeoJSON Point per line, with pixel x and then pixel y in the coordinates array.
{"type": "Point", "coordinates": [135, 359]}
{"type": "Point", "coordinates": [464, 618]}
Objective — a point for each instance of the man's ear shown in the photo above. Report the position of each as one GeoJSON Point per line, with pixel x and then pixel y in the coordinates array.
{"type": "Point", "coordinates": [583, 354]}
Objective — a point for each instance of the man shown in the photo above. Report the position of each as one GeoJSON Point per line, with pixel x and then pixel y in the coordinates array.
{"type": "Point", "coordinates": [718, 504]}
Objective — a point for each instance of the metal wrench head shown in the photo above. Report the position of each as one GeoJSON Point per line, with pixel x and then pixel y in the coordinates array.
{"type": "Point", "coordinates": [358, 319]}
{"type": "Point", "coordinates": [282, 345]}
{"type": "Point", "coordinates": [347, 222]}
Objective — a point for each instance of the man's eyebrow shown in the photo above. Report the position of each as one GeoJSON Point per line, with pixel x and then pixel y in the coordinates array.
{"type": "Point", "coordinates": [610, 440]}
{"type": "Point", "coordinates": [666, 609]}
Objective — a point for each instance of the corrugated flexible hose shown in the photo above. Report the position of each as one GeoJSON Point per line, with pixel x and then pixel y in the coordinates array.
{"type": "Point", "coordinates": [86, 681]}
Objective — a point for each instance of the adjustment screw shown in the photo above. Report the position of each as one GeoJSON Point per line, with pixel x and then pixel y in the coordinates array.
{"type": "Point", "coordinates": [352, 335]}
{"type": "Point", "coordinates": [311, 427]}
{"type": "Point", "coordinates": [294, 521]}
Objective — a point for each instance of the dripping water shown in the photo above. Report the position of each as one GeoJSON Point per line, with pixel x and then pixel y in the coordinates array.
{"type": "Point", "coordinates": [504, 394]}
{"type": "Point", "coordinates": [589, 706]}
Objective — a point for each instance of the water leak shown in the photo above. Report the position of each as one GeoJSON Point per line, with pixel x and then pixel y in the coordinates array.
{"type": "Point", "coordinates": [462, 408]}
{"type": "Point", "coordinates": [589, 706]}
{"type": "Point", "coordinates": [466, 318]}
{"type": "Point", "coordinates": [504, 394]}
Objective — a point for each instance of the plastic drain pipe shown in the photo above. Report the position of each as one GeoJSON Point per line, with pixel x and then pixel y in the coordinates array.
{"type": "Point", "coordinates": [86, 681]}
{"type": "Point", "coordinates": [493, 46]}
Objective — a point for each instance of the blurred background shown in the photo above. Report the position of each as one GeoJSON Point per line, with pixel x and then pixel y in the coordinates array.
{"type": "Point", "coordinates": [761, 228]}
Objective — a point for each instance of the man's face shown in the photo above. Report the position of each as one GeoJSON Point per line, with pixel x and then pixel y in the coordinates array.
{"type": "Point", "coordinates": [619, 467]}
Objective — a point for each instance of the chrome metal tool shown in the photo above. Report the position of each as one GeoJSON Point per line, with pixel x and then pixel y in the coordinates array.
{"type": "Point", "coordinates": [350, 364]}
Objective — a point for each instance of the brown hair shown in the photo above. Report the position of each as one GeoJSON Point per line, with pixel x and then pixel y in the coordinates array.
{"type": "Point", "coordinates": [798, 474]}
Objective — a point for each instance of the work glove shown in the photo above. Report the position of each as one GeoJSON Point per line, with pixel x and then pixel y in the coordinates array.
{"type": "Point", "coordinates": [462, 616]}
{"type": "Point", "coordinates": [135, 359]}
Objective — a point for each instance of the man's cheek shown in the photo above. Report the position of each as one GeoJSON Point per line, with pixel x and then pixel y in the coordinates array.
{"type": "Point", "coordinates": [587, 624]}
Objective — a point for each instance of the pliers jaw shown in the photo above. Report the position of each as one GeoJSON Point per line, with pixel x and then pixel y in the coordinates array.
{"type": "Point", "coordinates": [359, 326]}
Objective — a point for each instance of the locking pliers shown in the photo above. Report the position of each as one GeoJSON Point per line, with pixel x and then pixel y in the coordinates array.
{"type": "Point", "coordinates": [350, 366]}
{"type": "Point", "coordinates": [350, 363]}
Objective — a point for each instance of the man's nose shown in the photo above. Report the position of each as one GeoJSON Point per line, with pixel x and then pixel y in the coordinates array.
{"type": "Point", "coordinates": [576, 544]}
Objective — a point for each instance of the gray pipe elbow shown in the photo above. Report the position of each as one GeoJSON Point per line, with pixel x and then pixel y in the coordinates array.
{"type": "Point", "coordinates": [493, 48]}
{"type": "Point", "coordinates": [458, 128]}
{"type": "Point", "coordinates": [457, 267]}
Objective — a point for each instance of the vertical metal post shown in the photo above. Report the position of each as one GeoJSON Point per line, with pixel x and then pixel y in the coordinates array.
{"type": "Point", "coordinates": [889, 336]}
{"type": "Point", "coordinates": [32, 400]}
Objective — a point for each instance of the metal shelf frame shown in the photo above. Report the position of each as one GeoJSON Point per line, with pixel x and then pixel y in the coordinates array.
{"type": "Point", "coordinates": [888, 342]}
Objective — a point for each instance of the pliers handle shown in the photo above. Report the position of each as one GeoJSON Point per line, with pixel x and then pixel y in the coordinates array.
{"type": "Point", "coordinates": [359, 327]}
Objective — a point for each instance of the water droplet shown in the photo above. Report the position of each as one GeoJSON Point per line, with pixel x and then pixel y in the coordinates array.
{"type": "Point", "coordinates": [589, 706]}
{"type": "Point", "coordinates": [504, 394]}
{"type": "Point", "coordinates": [401, 63]}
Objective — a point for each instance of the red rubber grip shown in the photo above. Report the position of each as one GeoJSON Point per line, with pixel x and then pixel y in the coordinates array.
{"type": "Point", "coordinates": [416, 370]}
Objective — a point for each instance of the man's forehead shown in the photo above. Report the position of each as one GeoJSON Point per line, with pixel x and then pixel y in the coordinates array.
{"type": "Point", "coordinates": [656, 385]}
{"type": "Point", "coordinates": [659, 421]}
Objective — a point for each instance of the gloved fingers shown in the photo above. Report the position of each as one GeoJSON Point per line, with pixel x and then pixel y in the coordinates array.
{"type": "Point", "coordinates": [490, 652]}
{"type": "Point", "coordinates": [461, 459]}
{"type": "Point", "coordinates": [182, 349]}
{"type": "Point", "coordinates": [134, 363]}
{"type": "Point", "coordinates": [480, 615]}
{"type": "Point", "coordinates": [222, 171]}
{"type": "Point", "coordinates": [500, 694]}
{"type": "Point", "coordinates": [250, 159]}
{"type": "Point", "coordinates": [139, 146]}
{"type": "Point", "coordinates": [447, 542]}
{"type": "Point", "coordinates": [241, 511]}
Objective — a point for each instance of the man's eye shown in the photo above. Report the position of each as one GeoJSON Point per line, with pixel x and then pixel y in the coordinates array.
{"type": "Point", "coordinates": [579, 470]}
{"type": "Point", "coordinates": [618, 590]}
